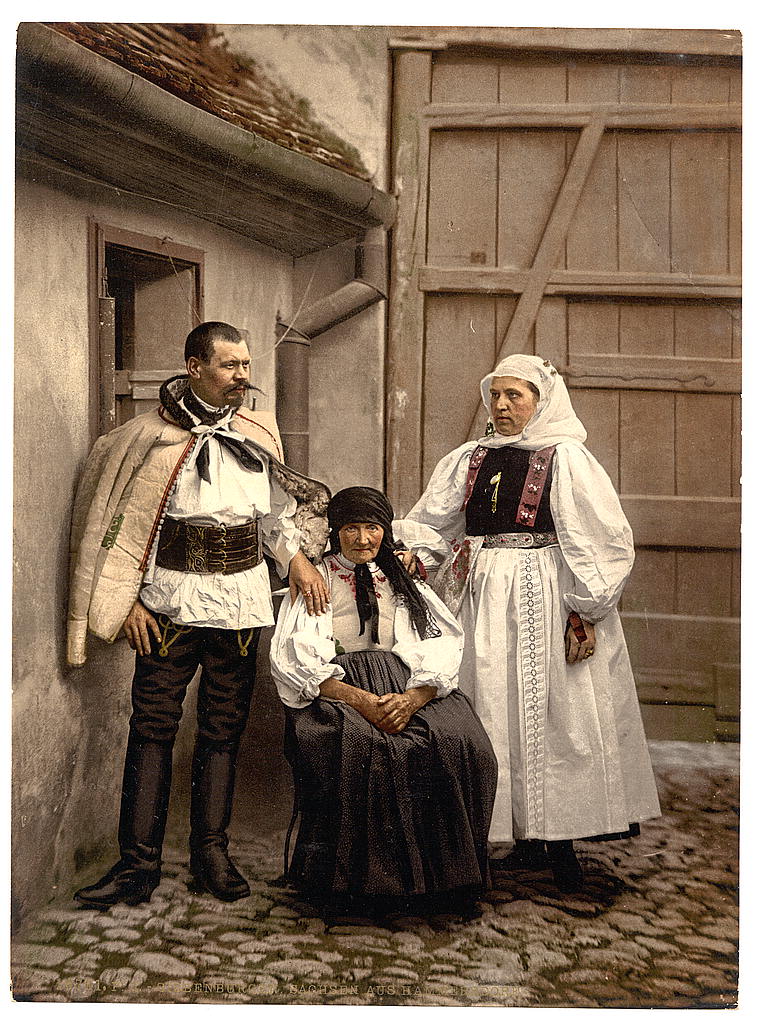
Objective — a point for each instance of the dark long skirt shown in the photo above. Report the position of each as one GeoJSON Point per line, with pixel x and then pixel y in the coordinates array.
{"type": "Point", "coordinates": [390, 815]}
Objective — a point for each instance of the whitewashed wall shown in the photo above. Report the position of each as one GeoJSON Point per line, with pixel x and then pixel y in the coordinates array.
{"type": "Point", "coordinates": [70, 725]}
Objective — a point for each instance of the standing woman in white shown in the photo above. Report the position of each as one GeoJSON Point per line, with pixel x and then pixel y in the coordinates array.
{"type": "Point", "coordinates": [536, 551]}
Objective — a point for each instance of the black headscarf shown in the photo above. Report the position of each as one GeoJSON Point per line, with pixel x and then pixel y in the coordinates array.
{"type": "Point", "coordinates": [367, 505]}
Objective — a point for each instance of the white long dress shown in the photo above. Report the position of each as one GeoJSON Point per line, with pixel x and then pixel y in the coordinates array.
{"type": "Point", "coordinates": [569, 740]}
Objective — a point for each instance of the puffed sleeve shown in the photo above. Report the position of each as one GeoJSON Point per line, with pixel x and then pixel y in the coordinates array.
{"type": "Point", "coordinates": [594, 535]}
{"type": "Point", "coordinates": [438, 516]}
{"type": "Point", "coordinates": [301, 653]}
{"type": "Point", "coordinates": [281, 537]}
{"type": "Point", "coordinates": [436, 660]}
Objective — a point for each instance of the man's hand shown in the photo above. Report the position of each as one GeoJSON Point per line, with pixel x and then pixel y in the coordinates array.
{"type": "Point", "coordinates": [408, 558]}
{"type": "Point", "coordinates": [576, 651]}
{"type": "Point", "coordinates": [307, 580]}
{"type": "Point", "coordinates": [138, 626]}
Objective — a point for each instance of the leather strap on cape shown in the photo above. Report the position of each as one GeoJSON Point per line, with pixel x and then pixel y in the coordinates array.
{"type": "Point", "coordinates": [534, 485]}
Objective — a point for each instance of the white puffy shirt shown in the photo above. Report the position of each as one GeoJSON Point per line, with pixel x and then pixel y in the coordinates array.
{"type": "Point", "coordinates": [234, 496]}
{"type": "Point", "coordinates": [304, 645]}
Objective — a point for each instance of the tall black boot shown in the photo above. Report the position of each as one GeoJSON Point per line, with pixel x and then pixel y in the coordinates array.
{"type": "Point", "coordinates": [567, 873]}
{"type": "Point", "coordinates": [142, 823]}
{"type": "Point", "coordinates": [213, 781]}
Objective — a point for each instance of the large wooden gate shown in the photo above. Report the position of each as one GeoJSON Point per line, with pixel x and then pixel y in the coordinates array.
{"type": "Point", "coordinates": [578, 195]}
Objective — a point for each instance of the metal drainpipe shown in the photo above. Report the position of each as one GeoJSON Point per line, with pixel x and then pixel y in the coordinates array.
{"type": "Point", "coordinates": [368, 286]}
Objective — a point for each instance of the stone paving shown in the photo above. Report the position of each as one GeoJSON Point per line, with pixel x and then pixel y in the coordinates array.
{"type": "Point", "coordinates": [656, 926]}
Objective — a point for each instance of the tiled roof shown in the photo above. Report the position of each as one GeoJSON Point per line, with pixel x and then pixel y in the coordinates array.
{"type": "Point", "coordinates": [194, 63]}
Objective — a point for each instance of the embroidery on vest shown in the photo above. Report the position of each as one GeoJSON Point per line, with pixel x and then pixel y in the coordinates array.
{"type": "Point", "coordinates": [534, 485]}
{"type": "Point", "coordinates": [475, 462]}
{"type": "Point", "coordinates": [113, 531]}
{"type": "Point", "coordinates": [462, 562]}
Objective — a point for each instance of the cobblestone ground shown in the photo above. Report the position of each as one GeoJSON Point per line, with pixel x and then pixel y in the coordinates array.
{"type": "Point", "coordinates": [656, 926]}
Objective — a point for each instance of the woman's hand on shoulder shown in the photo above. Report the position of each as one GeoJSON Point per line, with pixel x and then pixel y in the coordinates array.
{"type": "Point", "coordinates": [413, 565]}
{"type": "Point", "coordinates": [407, 559]}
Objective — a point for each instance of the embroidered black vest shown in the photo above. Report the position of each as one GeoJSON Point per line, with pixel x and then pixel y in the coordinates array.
{"type": "Point", "coordinates": [495, 498]}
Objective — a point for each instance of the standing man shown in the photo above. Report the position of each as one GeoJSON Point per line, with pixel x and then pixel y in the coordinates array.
{"type": "Point", "coordinates": [172, 515]}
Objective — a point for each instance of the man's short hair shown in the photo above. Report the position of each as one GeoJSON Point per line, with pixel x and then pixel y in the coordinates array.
{"type": "Point", "coordinates": [201, 339]}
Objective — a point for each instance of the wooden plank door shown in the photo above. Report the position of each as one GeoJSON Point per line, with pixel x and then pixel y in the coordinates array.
{"type": "Point", "coordinates": [588, 210]}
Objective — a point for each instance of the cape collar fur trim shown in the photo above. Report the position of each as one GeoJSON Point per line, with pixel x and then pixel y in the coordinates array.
{"type": "Point", "coordinates": [172, 391]}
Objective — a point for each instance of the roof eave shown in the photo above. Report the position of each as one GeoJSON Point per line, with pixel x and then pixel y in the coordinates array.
{"type": "Point", "coordinates": [83, 112]}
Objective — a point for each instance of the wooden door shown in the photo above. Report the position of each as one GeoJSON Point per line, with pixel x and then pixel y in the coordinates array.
{"type": "Point", "coordinates": [586, 207]}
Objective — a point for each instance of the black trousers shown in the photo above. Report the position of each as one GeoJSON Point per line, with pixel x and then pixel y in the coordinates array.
{"type": "Point", "coordinates": [227, 659]}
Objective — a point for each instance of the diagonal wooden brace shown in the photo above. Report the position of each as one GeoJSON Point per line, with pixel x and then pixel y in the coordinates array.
{"type": "Point", "coordinates": [550, 247]}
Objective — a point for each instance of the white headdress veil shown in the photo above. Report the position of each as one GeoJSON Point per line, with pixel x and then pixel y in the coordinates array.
{"type": "Point", "coordinates": [553, 421]}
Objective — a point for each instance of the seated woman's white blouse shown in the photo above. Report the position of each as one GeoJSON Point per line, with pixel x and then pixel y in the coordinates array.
{"type": "Point", "coordinates": [304, 645]}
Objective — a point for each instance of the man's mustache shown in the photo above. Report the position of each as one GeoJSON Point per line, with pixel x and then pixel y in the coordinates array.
{"type": "Point", "coordinates": [244, 384]}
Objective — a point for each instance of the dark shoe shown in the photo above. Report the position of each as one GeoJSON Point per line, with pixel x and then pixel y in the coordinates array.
{"type": "Point", "coordinates": [567, 873]}
{"type": "Point", "coordinates": [527, 855]}
{"type": "Point", "coordinates": [464, 906]}
{"type": "Point", "coordinates": [121, 884]}
{"type": "Point", "coordinates": [214, 872]}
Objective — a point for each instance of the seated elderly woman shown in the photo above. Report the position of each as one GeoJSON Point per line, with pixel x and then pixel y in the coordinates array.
{"type": "Point", "coordinates": [394, 772]}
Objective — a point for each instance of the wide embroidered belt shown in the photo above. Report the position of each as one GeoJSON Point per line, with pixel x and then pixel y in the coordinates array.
{"type": "Point", "coordinates": [185, 547]}
{"type": "Point", "coordinates": [519, 540]}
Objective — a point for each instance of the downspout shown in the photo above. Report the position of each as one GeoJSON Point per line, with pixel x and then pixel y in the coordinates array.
{"type": "Point", "coordinates": [295, 334]}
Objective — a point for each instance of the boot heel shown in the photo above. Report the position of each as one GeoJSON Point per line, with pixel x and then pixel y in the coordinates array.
{"type": "Point", "coordinates": [143, 895]}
